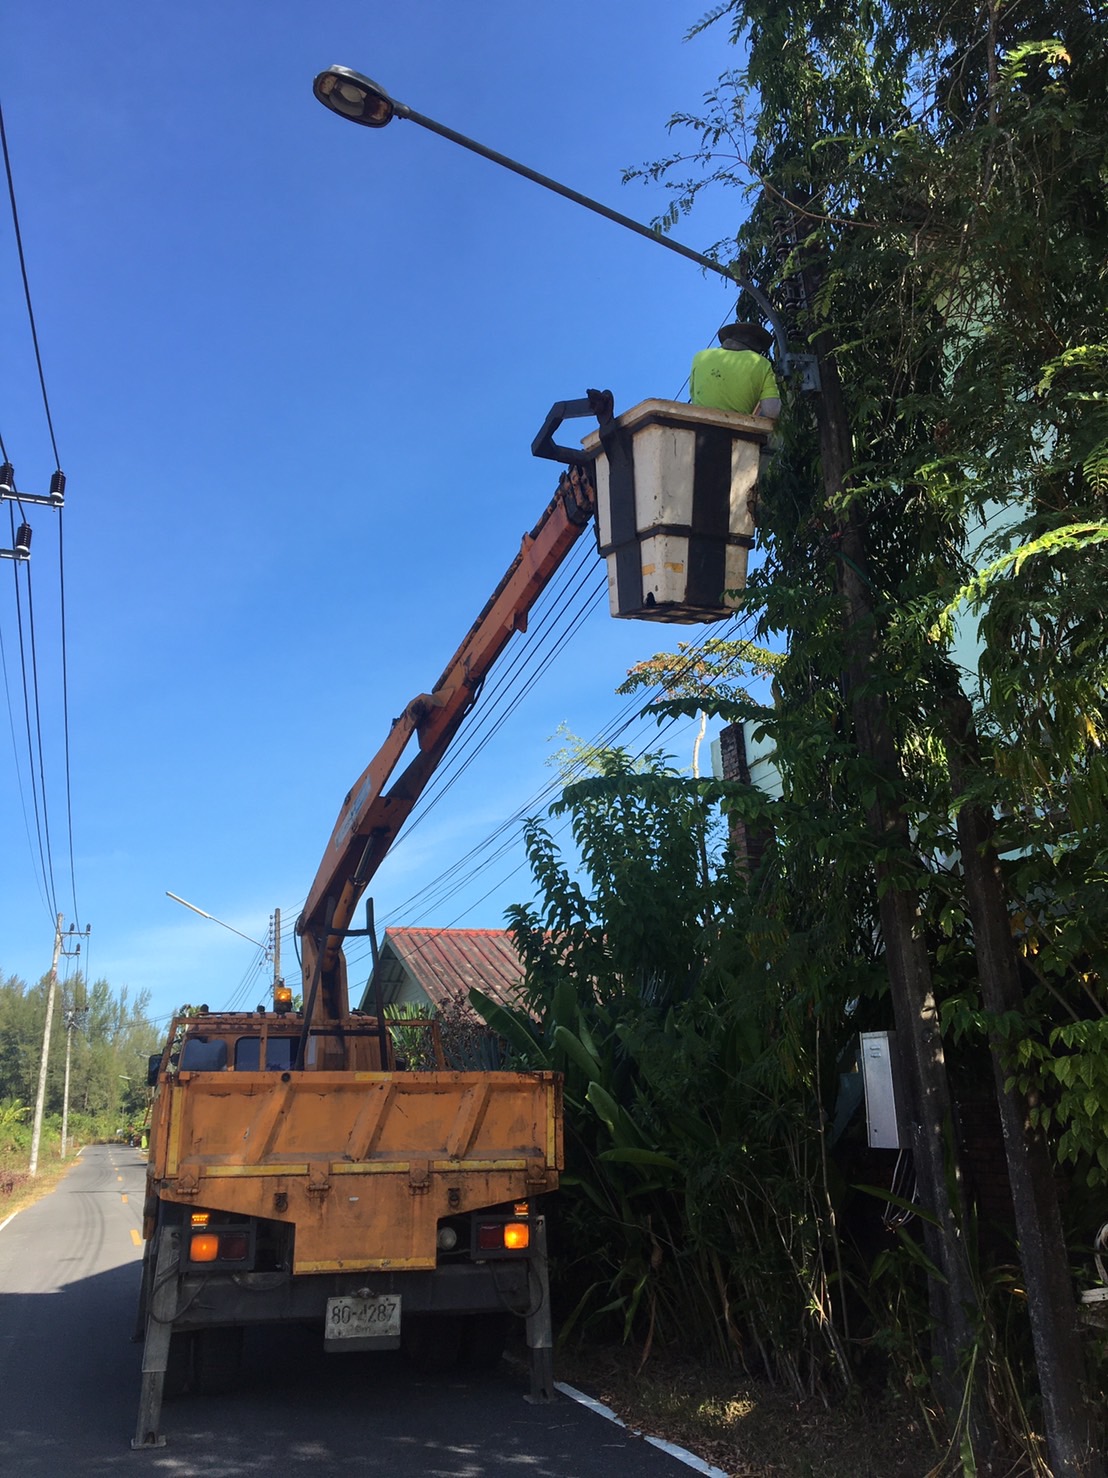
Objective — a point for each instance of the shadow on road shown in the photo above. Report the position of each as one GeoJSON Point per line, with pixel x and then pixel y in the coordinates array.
{"type": "Point", "coordinates": [69, 1385]}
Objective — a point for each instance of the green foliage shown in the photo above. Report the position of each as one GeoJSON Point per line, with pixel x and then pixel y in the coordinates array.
{"type": "Point", "coordinates": [930, 190]}
{"type": "Point", "coordinates": [111, 1039]}
{"type": "Point", "coordinates": [929, 208]}
{"type": "Point", "coordinates": [1070, 1070]}
{"type": "Point", "coordinates": [13, 1117]}
{"type": "Point", "coordinates": [410, 1030]}
{"type": "Point", "coordinates": [698, 1204]}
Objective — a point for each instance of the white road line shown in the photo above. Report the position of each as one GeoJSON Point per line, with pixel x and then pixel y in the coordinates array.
{"type": "Point", "coordinates": [12, 1217]}
{"type": "Point", "coordinates": [688, 1458]}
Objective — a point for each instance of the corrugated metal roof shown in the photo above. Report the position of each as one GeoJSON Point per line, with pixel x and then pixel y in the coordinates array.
{"type": "Point", "coordinates": [448, 962]}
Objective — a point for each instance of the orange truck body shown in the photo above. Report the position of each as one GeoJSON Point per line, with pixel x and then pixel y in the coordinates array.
{"type": "Point", "coordinates": [361, 1165]}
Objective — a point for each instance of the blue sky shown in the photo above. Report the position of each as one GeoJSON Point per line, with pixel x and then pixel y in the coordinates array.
{"type": "Point", "coordinates": [295, 367]}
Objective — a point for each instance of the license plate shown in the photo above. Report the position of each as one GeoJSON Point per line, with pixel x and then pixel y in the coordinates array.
{"type": "Point", "coordinates": [363, 1317]}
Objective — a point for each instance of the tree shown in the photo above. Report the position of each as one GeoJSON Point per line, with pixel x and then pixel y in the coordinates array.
{"type": "Point", "coordinates": [109, 1051]}
{"type": "Point", "coordinates": [929, 199]}
{"type": "Point", "coordinates": [700, 1080]}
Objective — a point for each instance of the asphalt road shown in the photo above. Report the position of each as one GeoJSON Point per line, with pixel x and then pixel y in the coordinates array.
{"type": "Point", "coordinates": [69, 1378]}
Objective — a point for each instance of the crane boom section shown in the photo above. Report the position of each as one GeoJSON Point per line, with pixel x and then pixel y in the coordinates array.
{"type": "Point", "coordinates": [371, 816]}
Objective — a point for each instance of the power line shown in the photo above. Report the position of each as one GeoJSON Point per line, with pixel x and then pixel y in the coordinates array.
{"type": "Point", "coordinates": [43, 849]}
{"type": "Point", "coordinates": [15, 756]}
{"type": "Point", "coordinates": [511, 686]}
{"type": "Point", "coordinates": [38, 735]}
{"type": "Point", "coordinates": [441, 888]}
{"type": "Point", "coordinates": [57, 486]}
{"type": "Point", "coordinates": [65, 718]}
{"type": "Point", "coordinates": [507, 699]}
{"type": "Point", "coordinates": [27, 288]}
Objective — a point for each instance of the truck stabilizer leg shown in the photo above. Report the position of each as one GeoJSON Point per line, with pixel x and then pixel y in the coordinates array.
{"type": "Point", "coordinates": [161, 1307]}
{"type": "Point", "coordinates": [540, 1329]}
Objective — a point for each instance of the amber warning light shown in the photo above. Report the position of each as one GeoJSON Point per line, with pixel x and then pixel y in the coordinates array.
{"type": "Point", "coordinates": [502, 1237]}
{"type": "Point", "coordinates": [205, 1247]}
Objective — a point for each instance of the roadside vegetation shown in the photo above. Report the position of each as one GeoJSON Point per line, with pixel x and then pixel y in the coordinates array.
{"type": "Point", "coordinates": [749, 1428]}
{"type": "Point", "coordinates": [110, 1038]}
{"type": "Point", "coordinates": [924, 648]}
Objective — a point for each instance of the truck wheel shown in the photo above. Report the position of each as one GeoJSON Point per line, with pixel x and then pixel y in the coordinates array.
{"type": "Point", "coordinates": [432, 1342]}
{"type": "Point", "coordinates": [216, 1360]}
{"type": "Point", "coordinates": [178, 1369]}
{"type": "Point", "coordinates": [483, 1339]}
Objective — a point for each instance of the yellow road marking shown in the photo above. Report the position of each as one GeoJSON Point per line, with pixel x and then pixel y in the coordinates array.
{"type": "Point", "coordinates": [136, 1236]}
{"type": "Point", "coordinates": [123, 1197]}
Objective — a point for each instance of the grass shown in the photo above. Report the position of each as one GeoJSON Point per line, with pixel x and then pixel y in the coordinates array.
{"type": "Point", "coordinates": [27, 1189]}
{"type": "Point", "coordinates": [747, 1428]}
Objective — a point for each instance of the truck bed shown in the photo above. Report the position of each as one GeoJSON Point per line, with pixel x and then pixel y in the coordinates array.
{"type": "Point", "coordinates": [363, 1164]}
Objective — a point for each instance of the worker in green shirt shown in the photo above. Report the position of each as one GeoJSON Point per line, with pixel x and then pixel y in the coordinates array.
{"type": "Point", "coordinates": [737, 376]}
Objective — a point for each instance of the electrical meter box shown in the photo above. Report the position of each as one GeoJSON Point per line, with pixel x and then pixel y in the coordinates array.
{"type": "Point", "coordinates": [675, 491]}
{"type": "Point", "coordinates": [878, 1051]}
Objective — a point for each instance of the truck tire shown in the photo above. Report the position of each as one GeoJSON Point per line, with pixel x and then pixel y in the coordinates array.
{"type": "Point", "coordinates": [178, 1369]}
{"type": "Point", "coordinates": [216, 1360]}
{"type": "Point", "coordinates": [483, 1339]}
{"type": "Point", "coordinates": [432, 1342]}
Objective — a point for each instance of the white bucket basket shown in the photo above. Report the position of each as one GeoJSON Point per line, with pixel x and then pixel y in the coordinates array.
{"type": "Point", "coordinates": [674, 488]}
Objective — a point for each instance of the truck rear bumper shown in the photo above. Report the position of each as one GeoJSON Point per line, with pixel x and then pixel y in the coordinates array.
{"type": "Point", "coordinates": [263, 1298]}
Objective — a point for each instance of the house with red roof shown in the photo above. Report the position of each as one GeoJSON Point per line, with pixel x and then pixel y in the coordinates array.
{"type": "Point", "coordinates": [438, 967]}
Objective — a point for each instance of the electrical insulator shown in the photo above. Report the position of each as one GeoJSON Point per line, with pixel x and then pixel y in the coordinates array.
{"type": "Point", "coordinates": [23, 541]}
{"type": "Point", "coordinates": [7, 477]}
{"type": "Point", "coordinates": [57, 486]}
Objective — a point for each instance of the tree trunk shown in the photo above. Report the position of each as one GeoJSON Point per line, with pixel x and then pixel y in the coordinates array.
{"type": "Point", "coordinates": [928, 1105]}
{"type": "Point", "coordinates": [1042, 1250]}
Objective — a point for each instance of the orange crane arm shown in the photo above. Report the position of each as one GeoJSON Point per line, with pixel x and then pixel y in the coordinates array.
{"type": "Point", "coordinates": [371, 816]}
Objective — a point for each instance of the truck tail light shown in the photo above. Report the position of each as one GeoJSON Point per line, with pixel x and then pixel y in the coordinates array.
{"type": "Point", "coordinates": [501, 1237]}
{"type": "Point", "coordinates": [219, 1246]}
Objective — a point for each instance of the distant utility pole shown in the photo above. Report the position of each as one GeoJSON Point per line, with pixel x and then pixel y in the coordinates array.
{"type": "Point", "coordinates": [276, 945]}
{"type": "Point", "coordinates": [70, 1025]}
{"type": "Point", "coordinates": [40, 1101]}
{"type": "Point", "coordinates": [75, 1017]}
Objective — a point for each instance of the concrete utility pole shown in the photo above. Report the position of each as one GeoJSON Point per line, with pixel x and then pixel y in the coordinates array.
{"type": "Point", "coordinates": [51, 991]}
{"type": "Point", "coordinates": [276, 946]}
{"type": "Point", "coordinates": [74, 1021]}
{"type": "Point", "coordinates": [70, 1023]}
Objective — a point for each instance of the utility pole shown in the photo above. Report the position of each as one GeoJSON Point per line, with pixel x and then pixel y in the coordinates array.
{"type": "Point", "coordinates": [40, 1101]}
{"type": "Point", "coordinates": [74, 1021]}
{"type": "Point", "coordinates": [276, 946]}
{"type": "Point", "coordinates": [70, 1023]}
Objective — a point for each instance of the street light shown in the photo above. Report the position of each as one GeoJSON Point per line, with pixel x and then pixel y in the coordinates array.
{"type": "Point", "coordinates": [361, 100]}
{"type": "Point", "coordinates": [214, 920]}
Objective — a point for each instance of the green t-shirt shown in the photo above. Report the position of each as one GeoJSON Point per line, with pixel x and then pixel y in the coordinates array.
{"type": "Point", "coordinates": [731, 380]}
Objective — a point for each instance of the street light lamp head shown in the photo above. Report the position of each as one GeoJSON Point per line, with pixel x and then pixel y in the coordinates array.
{"type": "Point", "coordinates": [355, 97]}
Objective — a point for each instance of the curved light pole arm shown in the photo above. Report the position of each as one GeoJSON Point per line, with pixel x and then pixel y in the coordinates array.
{"type": "Point", "coordinates": [731, 273]}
